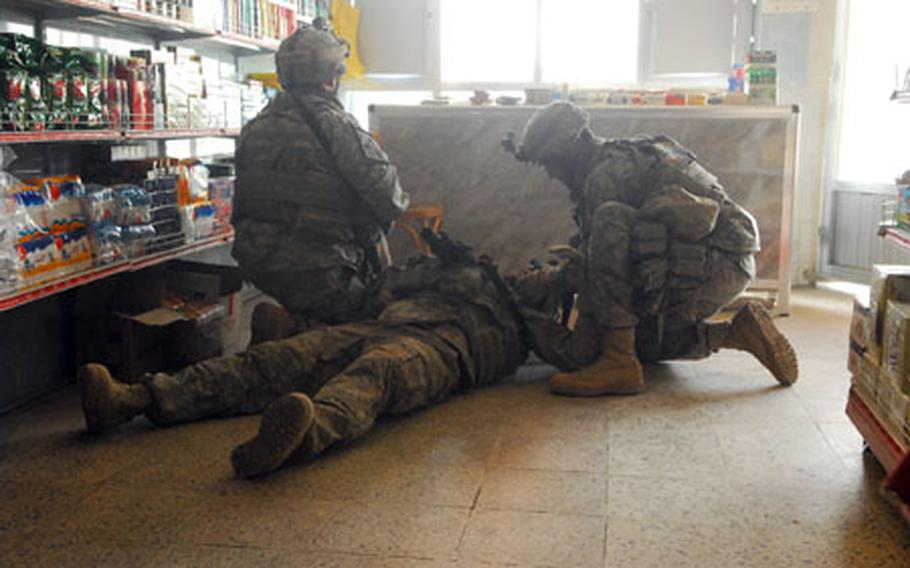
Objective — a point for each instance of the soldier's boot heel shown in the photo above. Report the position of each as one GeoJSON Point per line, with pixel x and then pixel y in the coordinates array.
{"type": "Point", "coordinates": [106, 402]}
{"type": "Point", "coordinates": [271, 322]}
{"type": "Point", "coordinates": [753, 330]}
{"type": "Point", "coordinates": [617, 371]}
{"type": "Point", "coordinates": [281, 433]}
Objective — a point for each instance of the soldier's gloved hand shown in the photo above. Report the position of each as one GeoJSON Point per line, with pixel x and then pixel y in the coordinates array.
{"type": "Point", "coordinates": [534, 286]}
{"type": "Point", "coordinates": [570, 265]}
{"type": "Point", "coordinates": [687, 216]}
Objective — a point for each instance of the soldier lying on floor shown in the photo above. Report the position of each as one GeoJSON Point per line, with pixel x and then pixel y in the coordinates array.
{"type": "Point", "coordinates": [444, 324]}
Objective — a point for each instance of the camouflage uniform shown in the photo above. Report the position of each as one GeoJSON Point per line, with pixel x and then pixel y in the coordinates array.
{"type": "Point", "coordinates": [314, 195]}
{"type": "Point", "coordinates": [440, 327]}
{"type": "Point", "coordinates": [665, 247]}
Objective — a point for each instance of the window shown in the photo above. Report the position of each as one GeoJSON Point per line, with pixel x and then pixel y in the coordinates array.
{"type": "Point", "coordinates": [583, 42]}
{"type": "Point", "coordinates": [873, 140]}
{"type": "Point", "coordinates": [488, 41]}
{"type": "Point", "coordinates": [589, 42]}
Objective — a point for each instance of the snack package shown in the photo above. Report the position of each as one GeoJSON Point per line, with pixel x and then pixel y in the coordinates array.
{"type": "Point", "coordinates": [889, 282]}
{"type": "Point", "coordinates": [99, 205]}
{"type": "Point", "coordinates": [192, 183]}
{"type": "Point", "coordinates": [9, 225]}
{"type": "Point", "coordinates": [75, 251]}
{"type": "Point", "coordinates": [95, 63]}
{"type": "Point", "coordinates": [57, 86]}
{"type": "Point", "coordinates": [40, 259]}
{"type": "Point", "coordinates": [107, 243]}
{"type": "Point", "coordinates": [221, 192]}
{"type": "Point", "coordinates": [135, 239]}
{"type": "Point", "coordinates": [14, 101]}
{"type": "Point", "coordinates": [77, 95]}
{"type": "Point", "coordinates": [203, 221]}
{"type": "Point", "coordinates": [134, 206]}
{"type": "Point", "coordinates": [18, 56]}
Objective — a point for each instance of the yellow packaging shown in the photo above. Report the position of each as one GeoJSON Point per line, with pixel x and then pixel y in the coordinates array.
{"type": "Point", "coordinates": [896, 344]}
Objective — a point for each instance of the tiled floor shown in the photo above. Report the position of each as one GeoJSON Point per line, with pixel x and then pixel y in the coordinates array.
{"type": "Point", "coordinates": [713, 466]}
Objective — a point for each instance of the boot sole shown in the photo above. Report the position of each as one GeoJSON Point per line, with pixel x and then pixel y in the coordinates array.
{"type": "Point", "coordinates": [566, 391]}
{"type": "Point", "coordinates": [94, 388]}
{"type": "Point", "coordinates": [782, 362]}
{"type": "Point", "coordinates": [282, 429]}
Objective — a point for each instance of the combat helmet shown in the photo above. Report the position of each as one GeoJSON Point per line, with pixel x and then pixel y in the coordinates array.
{"type": "Point", "coordinates": [312, 55]}
{"type": "Point", "coordinates": [549, 131]}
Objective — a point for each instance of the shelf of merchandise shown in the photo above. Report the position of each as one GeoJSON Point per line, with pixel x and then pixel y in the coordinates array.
{"type": "Point", "coordinates": [48, 136]}
{"type": "Point", "coordinates": [163, 28]}
{"type": "Point", "coordinates": [888, 451]}
{"type": "Point", "coordinates": [62, 284]}
{"type": "Point", "coordinates": [897, 236]}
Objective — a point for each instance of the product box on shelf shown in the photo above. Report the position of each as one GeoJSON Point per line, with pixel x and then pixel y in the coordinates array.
{"type": "Point", "coordinates": [902, 212]}
{"type": "Point", "coordinates": [860, 319]}
{"type": "Point", "coordinates": [221, 193]}
{"type": "Point", "coordinates": [896, 344]}
{"type": "Point", "coordinates": [888, 282]}
{"type": "Point", "coordinates": [866, 380]}
{"type": "Point", "coordinates": [892, 407]}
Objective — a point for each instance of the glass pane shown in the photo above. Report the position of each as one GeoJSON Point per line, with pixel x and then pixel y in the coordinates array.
{"type": "Point", "coordinates": [873, 139]}
{"type": "Point", "coordinates": [488, 40]}
{"type": "Point", "coordinates": [590, 42]}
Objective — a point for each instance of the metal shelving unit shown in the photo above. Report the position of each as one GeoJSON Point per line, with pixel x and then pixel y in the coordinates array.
{"type": "Point", "coordinates": [888, 451]}
{"type": "Point", "coordinates": [69, 282]}
{"type": "Point", "coordinates": [113, 136]}
{"type": "Point", "coordinates": [165, 29]}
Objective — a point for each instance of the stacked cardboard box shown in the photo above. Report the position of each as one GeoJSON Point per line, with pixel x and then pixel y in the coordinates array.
{"type": "Point", "coordinates": [879, 358]}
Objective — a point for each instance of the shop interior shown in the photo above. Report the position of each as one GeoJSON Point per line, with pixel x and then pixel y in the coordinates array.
{"type": "Point", "coordinates": [129, 257]}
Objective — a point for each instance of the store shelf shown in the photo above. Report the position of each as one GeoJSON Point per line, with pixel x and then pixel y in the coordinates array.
{"type": "Point", "coordinates": [897, 236]}
{"type": "Point", "coordinates": [884, 447]}
{"type": "Point", "coordinates": [48, 136]}
{"type": "Point", "coordinates": [72, 281]}
{"type": "Point", "coordinates": [901, 96]}
{"type": "Point", "coordinates": [888, 451]}
{"type": "Point", "coordinates": [103, 14]}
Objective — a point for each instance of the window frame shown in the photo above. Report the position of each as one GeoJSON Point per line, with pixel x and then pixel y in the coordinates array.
{"type": "Point", "coordinates": [435, 74]}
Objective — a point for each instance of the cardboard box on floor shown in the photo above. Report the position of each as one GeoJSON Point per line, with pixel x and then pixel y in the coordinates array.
{"type": "Point", "coordinates": [189, 323]}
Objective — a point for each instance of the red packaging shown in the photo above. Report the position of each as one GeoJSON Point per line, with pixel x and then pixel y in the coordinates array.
{"type": "Point", "coordinates": [114, 104]}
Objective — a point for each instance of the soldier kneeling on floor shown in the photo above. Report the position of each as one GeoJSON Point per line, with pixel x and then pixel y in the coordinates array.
{"type": "Point", "coordinates": [661, 248]}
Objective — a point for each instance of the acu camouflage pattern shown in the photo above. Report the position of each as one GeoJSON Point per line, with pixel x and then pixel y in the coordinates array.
{"type": "Point", "coordinates": [662, 279]}
{"type": "Point", "coordinates": [440, 327]}
{"type": "Point", "coordinates": [314, 194]}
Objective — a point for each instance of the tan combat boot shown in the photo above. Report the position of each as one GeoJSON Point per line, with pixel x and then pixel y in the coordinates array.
{"type": "Point", "coordinates": [282, 429]}
{"type": "Point", "coordinates": [271, 322]}
{"type": "Point", "coordinates": [753, 330]}
{"type": "Point", "coordinates": [107, 402]}
{"type": "Point", "coordinates": [618, 371]}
